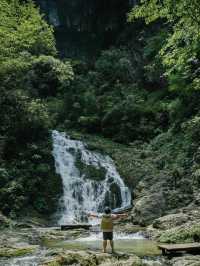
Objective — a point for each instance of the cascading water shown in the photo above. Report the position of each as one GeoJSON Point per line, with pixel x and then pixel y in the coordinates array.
{"type": "Point", "coordinates": [83, 193]}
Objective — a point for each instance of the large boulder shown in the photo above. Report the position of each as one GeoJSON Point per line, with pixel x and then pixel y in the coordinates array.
{"type": "Point", "coordinates": [148, 208]}
{"type": "Point", "coordinates": [171, 220]}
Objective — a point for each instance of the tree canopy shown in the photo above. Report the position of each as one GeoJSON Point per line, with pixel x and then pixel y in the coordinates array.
{"type": "Point", "coordinates": [23, 29]}
{"type": "Point", "coordinates": [180, 53]}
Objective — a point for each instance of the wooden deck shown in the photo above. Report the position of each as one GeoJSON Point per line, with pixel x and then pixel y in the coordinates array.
{"type": "Point", "coordinates": [170, 248]}
{"type": "Point", "coordinates": [75, 226]}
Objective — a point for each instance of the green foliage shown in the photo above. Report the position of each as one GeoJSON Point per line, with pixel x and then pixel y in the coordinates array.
{"type": "Point", "coordinates": [128, 119]}
{"type": "Point", "coordinates": [192, 128]}
{"type": "Point", "coordinates": [122, 95]}
{"type": "Point", "coordinates": [115, 65]}
{"type": "Point", "coordinates": [28, 74]}
{"type": "Point", "coordinates": [23, 116]}
{"type": "Point", "coordinates": [23, 29]}
{"type": "Point", "coordinates": [41, 76]}
{"type": "Point", "coordinates": [180, 52]}
{"type": "Point", "coordinates": [185, 10]}
{"type": "Point", "coordinates": [4, 177]}
{"type": "Point", "coordinates": [12, 197]}
{"type": "Point", "coordinates": [32, 184]}
{"type": "Point", "coordinates": [12, 71]}
{"type": "Point", "coordinates": [90, 171]}
{"type": "Point", "coordinates": [106, 100]}
{"type": "Point", "coordinates": [47, 76]}
{"type": "Point", "coordinates": [153, 69]}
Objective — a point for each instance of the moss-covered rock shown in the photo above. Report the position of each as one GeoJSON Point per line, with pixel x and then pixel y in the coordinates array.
{"type": "Point", "coordinates": [73, 258]}
{"type": "Point", "coordinates": [170, 221]}
{"type": "Point", "coordinates": [183, 234]}
{"type": "Point", "coordinates": [90, 171]}
{"type": "Point", "coordinates": [15, 252]}
{"type": "Point", "coordinates": [84, 258]}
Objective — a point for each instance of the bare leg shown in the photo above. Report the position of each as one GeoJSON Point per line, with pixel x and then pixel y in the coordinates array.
{"type": "Point", "coordinates": [112, 245]}
{"type": "Point", "coordinates": [104, 245]}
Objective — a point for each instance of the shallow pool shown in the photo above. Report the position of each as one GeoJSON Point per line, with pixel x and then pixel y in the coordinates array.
{"type": "Point", "coordinates": [126, 243]}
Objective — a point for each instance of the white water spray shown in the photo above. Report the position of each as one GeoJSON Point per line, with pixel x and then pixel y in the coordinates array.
{"type": "Point", "coordinates": [80, 193]}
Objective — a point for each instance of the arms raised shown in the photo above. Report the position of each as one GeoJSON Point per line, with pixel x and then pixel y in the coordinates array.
{"type": "Point", "coordinates": [114, 216]}
{"type": "Point", "coordinates": [92, 215]}
{"type": "Point", "coordinates": [118, 216]}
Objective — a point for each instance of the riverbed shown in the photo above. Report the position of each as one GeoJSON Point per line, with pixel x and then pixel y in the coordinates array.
{"type": "Point", "coordinates": [43, 244]}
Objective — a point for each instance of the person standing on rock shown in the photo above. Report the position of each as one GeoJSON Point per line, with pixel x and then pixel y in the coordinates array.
{"type": "Point", "coordinates": [107, 219]}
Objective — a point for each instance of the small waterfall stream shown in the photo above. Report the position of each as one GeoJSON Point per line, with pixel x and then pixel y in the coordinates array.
{"type": "Point", "coordinates": [85, 190]}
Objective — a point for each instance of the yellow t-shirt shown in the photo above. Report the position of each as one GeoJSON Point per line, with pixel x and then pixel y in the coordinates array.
{"type": "Point", "coordinates": [107, 222]}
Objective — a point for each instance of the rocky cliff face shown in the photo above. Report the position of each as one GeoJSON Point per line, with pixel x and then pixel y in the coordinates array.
{"type": "Point", "coordinates": [85, 27]}
{"type": "Point", "coordinates": [50, 8]}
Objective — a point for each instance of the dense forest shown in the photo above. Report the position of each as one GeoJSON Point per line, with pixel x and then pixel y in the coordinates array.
{"type": "Point", "coordinates": [133, 81]}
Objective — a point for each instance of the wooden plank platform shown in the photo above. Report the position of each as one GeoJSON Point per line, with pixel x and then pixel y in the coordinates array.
{"type": "Point", "coordinates": [179, 247]}
{"type": "Point", "coordinates": [75, 226]}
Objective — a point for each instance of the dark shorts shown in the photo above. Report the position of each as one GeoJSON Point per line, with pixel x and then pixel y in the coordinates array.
{"type": "Point", "coordinates": [107, 235]}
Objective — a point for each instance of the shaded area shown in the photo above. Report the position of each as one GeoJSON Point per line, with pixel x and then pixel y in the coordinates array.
{"type": "Point", "coordinates": [85, 27]}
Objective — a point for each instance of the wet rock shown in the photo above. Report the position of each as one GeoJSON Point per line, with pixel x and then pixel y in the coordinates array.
{"type": "Point", "coordinates": [90, 171]}
{"type": "Point", "coordinates": [116, 199]}
{"type": "Point", "coordinates": [23, 225]}
{"type": "Point", "coordinates": [193, 212]}
{"type": "Point", "coordinates": [83, 258]}
{"type": "Point", "coordinates": [30, 222]}
{"type": "Point", "coordinates": [113, 196]}
{"type": "Point", "coordinates": [186, 261]}
{"type": "Point", "coordinates": [171, 220]}
{"type": "Point", "coordinates": [182, 226]}
{"type": "Point", "coordinates": [148, 208]}
{"type": "Point", "coordinates": [48, 235]}
{"type": "Point", "coordinates": [73, 258]}
{"type": "Point", "coordinates": [79, 259]}
{"type": "Point", "coordinates": [133, 261]}
{"type": "Point", "coordinates": [129, 228]}
{"type": "Point", "coordinates": [52, 262]}
{"type": "Point", "coordinates": [4, 221]}
{"type": "Point", "coordinates": [154, 263]}
{"type": "Point", "coordinates": [16, 251]}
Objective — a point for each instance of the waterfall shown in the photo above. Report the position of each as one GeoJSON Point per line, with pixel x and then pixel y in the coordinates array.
{"type": "Point", "coordinates": [85, 190]}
